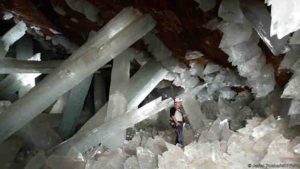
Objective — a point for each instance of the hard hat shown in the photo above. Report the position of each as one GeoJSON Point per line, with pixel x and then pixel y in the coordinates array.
{"type": "Point", "coordinates": [178, 99]}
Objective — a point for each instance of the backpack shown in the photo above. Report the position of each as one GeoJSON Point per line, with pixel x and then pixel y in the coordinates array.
{"type": "Point", "coordinates": [171, 121]}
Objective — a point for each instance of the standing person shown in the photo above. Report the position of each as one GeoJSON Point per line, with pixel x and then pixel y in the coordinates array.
{"type": "Point", "coordinates": [177, 119]}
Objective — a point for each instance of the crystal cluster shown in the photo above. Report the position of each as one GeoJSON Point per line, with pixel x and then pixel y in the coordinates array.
{"type": "Point", "coordinates": [243, 50]}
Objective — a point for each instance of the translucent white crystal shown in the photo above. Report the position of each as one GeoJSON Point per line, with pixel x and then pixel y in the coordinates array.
{"type": "Point", "coordinates": [292, 88]}
{"type": "Point", "coordinates": [265, 127]}
{"type": "Point", "coordinates": [297, 149]}
{"type": "Point", "coordinates": [196, 69]}
{"type": "Point", "coordinates": [113, 159]}
{"type": "Point", "coordinates": [294, 108]}
{"type": "Point", "coordinates": [193, 55]}
{"type": "Point", "coordinates": [7, 15]}
{"type": "Point", "coordinates": [156, 47]}
{"type": "Point", "coordinates": [265, 83]}
{"type": "Point", "coordinates": [259, 17]}
{"type": "Point", "coordinates": [146, 158]}
{"type": "Point", "coordinates": [85, 140]}
{"type": "Point", "coordinates": [211, 68]}
{"type": "Point", "coordinates": [206, 5]}
{"type": "Point", "coordinates": [192, 107]}
{"type": "Point", "coordinates": [243, 52]}
{"type": "Point", "coordinates": [84, 7]}
{"type": "Point", "coordinates": [156, 145]}
{"type": "Point", "coordinates": [295, 38]}
{"type": "Point", "coordinates": [131, 163]}
{"type": "Point", "coordinates": [73, 108]}
{"type": "Point", "coordinates": [213, 24]}
{"type": "Point", "coordinates": [230, 11]}
{"type": "Point", "coordinates": [290, 58]}
{"type": "Point", "coordinates": [230, 30]}
{"type": "Point", "coordinates": [252, 68]}
{"type": "Point", "coordinates": [14, 34]}
{"type": "Point", "coordinates": [227, 93]}
{"type": "Point", "coordinates": [285, 17]}
{"type": "Point", "coordinates": [173, 158]}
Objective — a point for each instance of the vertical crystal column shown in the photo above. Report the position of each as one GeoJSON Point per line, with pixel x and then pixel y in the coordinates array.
{"type": "Point", "coordinates": [192, 107]}
{"type": "Point", "coordinates": [140, 85]}
{"type": "Point", "coordinates": [117, 103]}
{"type": "Point", "coordinates": [73, 108]}
{"type": "Point", "coordinates": [71, 72]}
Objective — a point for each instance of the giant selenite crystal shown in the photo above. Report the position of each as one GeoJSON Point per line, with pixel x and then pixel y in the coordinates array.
{"type": "Point", "coordinates": [285, 17]}
{"type": "Point", "coordinates": [13, 35]}
{"type": "Point", "coordinates": [130, 26]}
{"type": "Point", "coordinates": [85, 140]}
{"type": "Point", "coordinates": [258, 15]}
{"type": "Point", "coordinates": [117, 104]}
{"type": "Point", "coordinates": [139, 88]}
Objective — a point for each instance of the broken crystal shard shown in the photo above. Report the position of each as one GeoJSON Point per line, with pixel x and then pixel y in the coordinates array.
{"type": "Point", "coordinates": [294, 108]}
{"type": "Point", "coordinates": [73, 108]}
{"type": "Point", "coordinates": [290, 58]}
{"type": "Point", "coordinates": [196, 69]}
{"type": "Point", "coordinates": [146, 158]}
{"type": "Point", "coordinates": [130, 147]}
{"type": "Point", "coordinates": [258, 15]}
{"type": "Point", "coordinates": [192, 108]}
{"type": "Point", "coordinates": [285, 17]}
{"type": "Point", "coordinates": [156, 145]}
{"type": "Point", "coordinates": [193, 55]}
{"type": "Point", "coordinates": [8, 66]}
{"type": "Point", "coordinates": [211, 68]}
{"type": "Point", "coordinates": [86, 8]}
{"type": "Point", "coordinates": [173, 158]}
{"type": "Point", "coordinates": [85, 140]}
{"type": "Point", "coordinates": [71, 72]}
{"type": "Point", "coordinates": [131, 163]}
{"type": "Point", "coordinates": [268, 125]}
{"type": "Point", "coordinates": [113, 159]}
{"type": "Point", "coordinates": [206, 5]}
{"type": "Point", "coordinates": [291, 90]}
{"type": "Point", "coordinates": [230, 11]}
{"type": "Point", "coordinates": [14, 34]}
{"type": "Point", "coordinates": [230, 30]}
